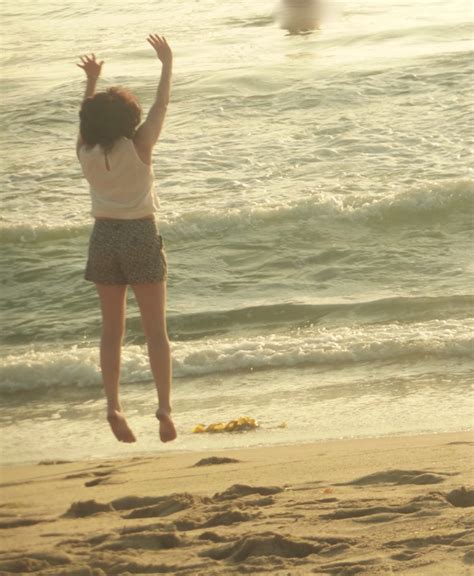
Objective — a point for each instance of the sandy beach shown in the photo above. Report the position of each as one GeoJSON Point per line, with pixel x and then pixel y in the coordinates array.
{"type": "Point", "coordinates": [396, 505]}
{"type": "Point", "coordinates": [312, 190]}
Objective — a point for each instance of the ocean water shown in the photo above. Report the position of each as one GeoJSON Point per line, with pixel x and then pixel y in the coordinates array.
{"type": "Point", "coordinates": [316, 206]}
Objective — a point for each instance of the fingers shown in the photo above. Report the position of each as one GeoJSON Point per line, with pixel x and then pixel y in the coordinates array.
{"type": "Point", "coordinates": [83, 64]}
{"type": "Point", "coordinates": [153, 40]}
{"type": "Point", "coordinates": [85, 59]}
{"type": "Point", "coordinates": [89, 60]}
{"type": "Point", "coordinates": [157, 41]}
{"type": "Point", "coordinates": [90, 65]}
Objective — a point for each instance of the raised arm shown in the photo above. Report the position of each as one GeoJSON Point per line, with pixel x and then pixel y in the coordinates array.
{"type": "Point", "coordinates": [92, 68]}
{"type": "Point", "coordinates": [148, 133]}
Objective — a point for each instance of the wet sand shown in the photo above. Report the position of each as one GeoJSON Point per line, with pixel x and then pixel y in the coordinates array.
{"type": "Point", "coordinates": [400, 505]}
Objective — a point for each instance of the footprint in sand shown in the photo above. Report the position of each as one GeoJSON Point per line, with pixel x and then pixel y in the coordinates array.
{"type": "Point", "coordinates": [226, 518]}
{"type": "Point", "coordinates": [83, 509]}
{"type": "Point", "coordinates": [102, 477]}
{"type": "Point", "coordinates": [97, 476]}
{"type": "Point", "coordinates": [35, 562]}
{"type": "Point", "coordinates": [77, 475]}
{"type": "Point", "coordinates": [469, 558]}
{"type": "Point", "coordinates": [452, 539]}
{"type": "Point", "coordinates": [363, 566]}
{"type": "Point", "coordinates": [213, 537]}
{"type": "Point", "coordinates": [461, 497]}
{"type": "Point", "coordinates": [167, 506]}
{"type": "Point", "coordinates": [145, 541]}
{"type": "Point", "coordinates": [241, 490]}
{"type": "Point", "coordinates": [97, 481]}
{"type": "Point", "coordinates": [131, 502]}
{"type": "Point", "coordinates": [400, 477]}
{"type": "Point", "coordinates": [15, 522]}
{"type": "Point", "coordinates": [270, 545]}
{"type": "Point", "coordinates": [197, 521]}
{"type": "Point", "coordinates": [53, 462]}
{"type": "Point", "coordinates": [372, 514]}
{"type": "Point", "coordinates": [215, 460]}
{"type": "Point", "coordinates": [405, 556]}
{"type": "Point", "coordinates": [139, 507]}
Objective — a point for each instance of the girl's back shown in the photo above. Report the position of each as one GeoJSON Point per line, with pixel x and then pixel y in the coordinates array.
{"type": "Point", "coordinates": [121, 184]}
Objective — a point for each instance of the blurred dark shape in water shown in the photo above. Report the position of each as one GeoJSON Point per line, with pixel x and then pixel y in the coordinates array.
{"type": "Point", "coordinates": [299, 16]}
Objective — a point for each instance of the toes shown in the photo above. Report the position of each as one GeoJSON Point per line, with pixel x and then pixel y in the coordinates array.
{"type": "Point", "coordinates": [129, 437]}
{"type": "Point", "coordinates": [167, 430]}
{"type": "Point", "coordinates": [120, 428]}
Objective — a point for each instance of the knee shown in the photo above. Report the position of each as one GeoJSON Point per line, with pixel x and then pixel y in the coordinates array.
{"type": "Point", "coordinates": [112, 332]}
{"type": "Point", "coordinates": [157, 337]}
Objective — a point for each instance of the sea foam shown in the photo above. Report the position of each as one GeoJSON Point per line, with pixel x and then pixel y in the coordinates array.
{"type": "Point", "coordinates": [423, 203]}
{"type": "Point", "coordinates": [319, 347]}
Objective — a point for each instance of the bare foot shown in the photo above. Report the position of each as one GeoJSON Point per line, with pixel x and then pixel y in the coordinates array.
{"type": "Point", "coordinates": [167, 429]}
{"type": "Point", "coordinates": [120, 427]}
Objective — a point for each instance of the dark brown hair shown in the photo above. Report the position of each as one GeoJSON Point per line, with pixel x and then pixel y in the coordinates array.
{"type": "Point", "coordinates": [109, 115]}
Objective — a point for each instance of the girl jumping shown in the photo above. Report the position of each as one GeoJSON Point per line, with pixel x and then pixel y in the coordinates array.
{"type": "Point", "coordinates": [115, 152]}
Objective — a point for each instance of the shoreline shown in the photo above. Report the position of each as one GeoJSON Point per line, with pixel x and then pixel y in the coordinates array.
{"type": "Point", "coordinates": [169, 450]}
{"type": "Point", "coordinates": [354, 506]}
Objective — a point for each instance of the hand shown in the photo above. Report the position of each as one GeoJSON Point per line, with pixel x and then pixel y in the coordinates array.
{"type": "Point", "coordinates": [91, 67]}
{"type": "Point", "coordinates": [163, 51]}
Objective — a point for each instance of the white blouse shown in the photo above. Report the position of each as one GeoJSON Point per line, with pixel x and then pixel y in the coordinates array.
{"type": "Point", "coordinates": [121, 184]}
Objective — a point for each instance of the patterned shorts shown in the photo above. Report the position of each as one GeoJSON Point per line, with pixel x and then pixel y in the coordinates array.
{"type": "Point", "coordinates": [126, 252]}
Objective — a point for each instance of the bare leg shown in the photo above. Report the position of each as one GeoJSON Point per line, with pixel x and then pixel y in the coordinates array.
{"type": "Point", "coordinates": [151, 299]}
{"type": "Point", "coordinates": [112, 303]}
